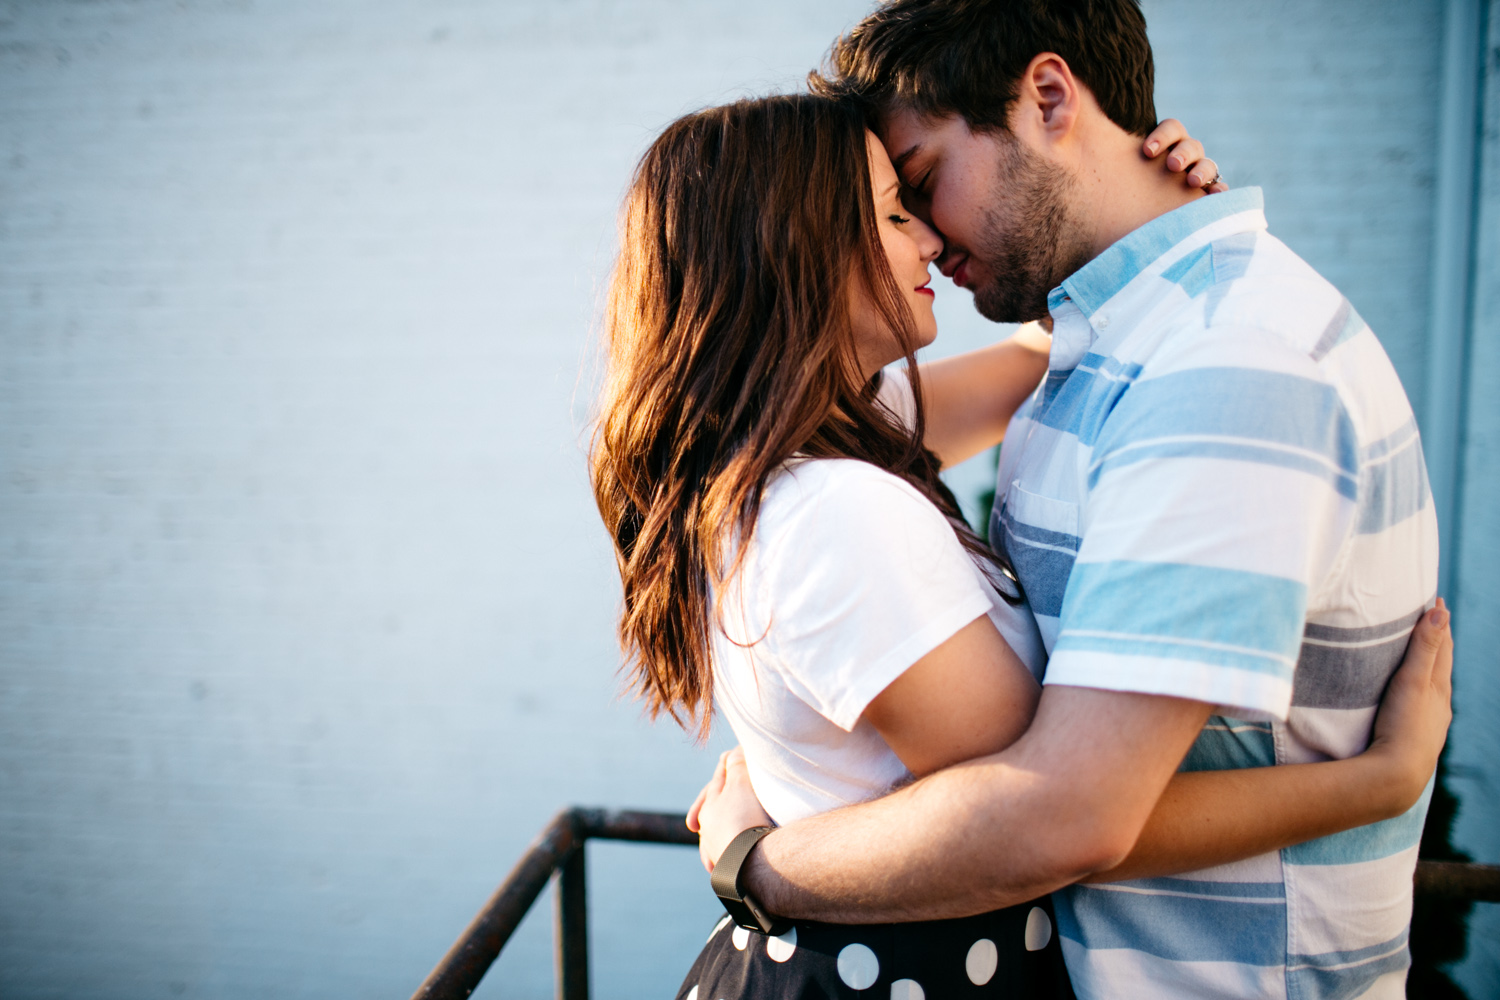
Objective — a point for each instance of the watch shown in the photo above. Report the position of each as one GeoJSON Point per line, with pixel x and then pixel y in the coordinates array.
{"type": "Point", "coordinates": [743, 908]}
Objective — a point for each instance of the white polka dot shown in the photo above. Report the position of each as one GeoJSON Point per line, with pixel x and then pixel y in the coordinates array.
{"type": "Point", "coordinates": [692, 994]}
{"type": "Point", "coordinates": [781, 946]}
{"type": "Point", "coordinates": [718, 927]}
{"type": "Point", "coordinates": [983, 960]}
{"type": "Point", "coordinates": [858, 967]}
{"type": "Point", "coordinates": [1038, 929]}
{"type": "Point", "coordinates": [741, 937]}
{"type": "Point", "coordinates": [907, 989]}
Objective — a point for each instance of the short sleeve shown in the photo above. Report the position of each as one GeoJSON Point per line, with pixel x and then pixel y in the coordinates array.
{"type": "Point", "coordinates": [862, 577]}
{"type": "Point", "coordinates": [1220, 491]}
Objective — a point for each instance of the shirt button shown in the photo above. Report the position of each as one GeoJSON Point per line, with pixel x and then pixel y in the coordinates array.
{"type": "Point", "coordinates": [1102, 322]}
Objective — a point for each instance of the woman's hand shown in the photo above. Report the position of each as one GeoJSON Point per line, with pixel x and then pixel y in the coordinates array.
{"type": "Point", "coordinates": [725, 808]}
{"type": "Point", "coordinates": [1412, 724]}
{"type": "Point", "coordinates": [1183, 152]}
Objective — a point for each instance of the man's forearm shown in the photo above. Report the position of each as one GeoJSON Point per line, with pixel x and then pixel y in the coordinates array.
{"type": "Point", "coordinates": [935, 849]}
{"type": "Point", "coordinates": [1067, 800]}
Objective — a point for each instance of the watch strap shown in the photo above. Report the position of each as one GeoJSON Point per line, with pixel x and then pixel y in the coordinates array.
{"type": "Point", "coordinates": [743, 908]}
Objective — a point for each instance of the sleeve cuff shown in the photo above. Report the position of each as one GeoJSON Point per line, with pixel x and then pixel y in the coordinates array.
{"type": "Point", "coordinates": [1237, 693]}
{"type": "Point", "coordinates": [868, 681]}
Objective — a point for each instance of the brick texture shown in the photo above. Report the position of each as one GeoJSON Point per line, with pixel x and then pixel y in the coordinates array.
{"type": "Point", "coordinates": [305, 615]}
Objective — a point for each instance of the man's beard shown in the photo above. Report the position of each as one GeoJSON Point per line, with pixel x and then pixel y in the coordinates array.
{"type": "Point", "coordinates": [1028, 250]}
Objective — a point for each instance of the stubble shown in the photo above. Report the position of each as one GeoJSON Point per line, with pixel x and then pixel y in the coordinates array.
{"type": "Point", "coordinates": [1027, 243]}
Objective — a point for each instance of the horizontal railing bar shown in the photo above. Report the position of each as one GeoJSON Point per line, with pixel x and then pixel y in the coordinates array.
{"type": "Point", "coordinates": [460, 971]}
{"type": "Point", "coordinates": [1458, 880]}
{"type": "Point", "coordinates": [645, 827]}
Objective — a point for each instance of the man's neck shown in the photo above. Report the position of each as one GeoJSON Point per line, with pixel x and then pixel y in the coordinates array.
{"type": "Point", "coordinates": [1118, 189]}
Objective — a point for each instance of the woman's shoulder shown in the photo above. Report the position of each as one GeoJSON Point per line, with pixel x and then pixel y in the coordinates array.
{"type": "Point", "coordinates": [821, 508]}
{"type": "Point", "coordinates": [805, 477]}
{"type": "Point", "coordinates": [822, 487]}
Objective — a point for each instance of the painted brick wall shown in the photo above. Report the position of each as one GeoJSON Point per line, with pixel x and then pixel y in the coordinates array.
{"type": "Point", "coordinates": [1476, 736]}
{"type": "Point", "coordinates": [304, 613]}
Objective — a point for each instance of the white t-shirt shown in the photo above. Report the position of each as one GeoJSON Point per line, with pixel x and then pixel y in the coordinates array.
{"type": "Point", "coordinates": [850, 577]}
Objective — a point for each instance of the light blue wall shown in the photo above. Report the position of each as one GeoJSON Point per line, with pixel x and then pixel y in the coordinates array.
{"type": "Point", "coordinates": [1475, 755]}
{"type": "Point", "coordinates": [305, 620]}
{"type": "Point", "coordinates": [305, 613]}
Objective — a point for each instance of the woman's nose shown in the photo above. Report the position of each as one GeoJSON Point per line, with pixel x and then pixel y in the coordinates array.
{"type": "Point", "coordinates": [932, 247]}
{"type": "Point", "coordinates": [929, 241]}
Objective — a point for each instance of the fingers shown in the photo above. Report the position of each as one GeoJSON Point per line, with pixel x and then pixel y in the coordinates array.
{"type": "Point", "coordinates": [1163, 136]}
{"type": "Point", "coordinates": [1442, 668]}
{"type": "Point", "coordinates": [714, 786]}
{"type": "Point", "coordinates": [1203, 171]}
{"type": "Point", "coordinates": [1426, 643]}
{"type": "Point", "coordinates": [692, 814]}
{"type": "Point", "coordinates": [735, 768]}
{"type": "Point", "coordinates": [1184, 155]}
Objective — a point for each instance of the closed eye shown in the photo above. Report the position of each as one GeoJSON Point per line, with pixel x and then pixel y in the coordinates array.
{"type": "Point", "coordinates": [898, 219]}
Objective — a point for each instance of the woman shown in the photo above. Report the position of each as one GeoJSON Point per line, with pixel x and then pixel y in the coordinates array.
{"type": "Point", "coordinates": [789, 554]}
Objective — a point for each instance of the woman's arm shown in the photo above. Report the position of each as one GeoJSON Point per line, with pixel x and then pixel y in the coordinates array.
{"type": "Point", "coordinates": [971, 397]}
{"type": "Point", "coordinates": [969, 697]}
{"type": "Point", "coordinates": [1208, 818]}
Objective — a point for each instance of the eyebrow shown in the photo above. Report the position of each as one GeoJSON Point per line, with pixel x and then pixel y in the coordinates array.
{"type": "Point", "coordinates": [900, 161]}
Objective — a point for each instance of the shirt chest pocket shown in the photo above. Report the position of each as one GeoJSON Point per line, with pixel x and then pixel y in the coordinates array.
{"type": "Point", "coordinates": [1046, 513]}
{"type": "Point", "coordinates": [1041, 539]}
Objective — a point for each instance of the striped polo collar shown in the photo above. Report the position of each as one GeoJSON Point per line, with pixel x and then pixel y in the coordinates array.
{"type": "Point", "coordinates": [1108, 274]}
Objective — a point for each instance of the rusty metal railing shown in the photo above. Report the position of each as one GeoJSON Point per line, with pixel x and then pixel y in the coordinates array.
{"type": "Point", "coordinates": [557, 855]}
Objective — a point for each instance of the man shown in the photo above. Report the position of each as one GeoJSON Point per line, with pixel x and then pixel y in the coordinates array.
{"type": "Point", "coordinates": [1216, 505]}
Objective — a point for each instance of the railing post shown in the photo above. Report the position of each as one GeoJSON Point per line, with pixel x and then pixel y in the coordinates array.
{"type": "Point", "coordinates": [571, 913]}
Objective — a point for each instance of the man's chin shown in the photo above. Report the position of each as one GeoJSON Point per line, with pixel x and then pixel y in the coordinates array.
{"type": "Point", "coordinates": [1000, 304]}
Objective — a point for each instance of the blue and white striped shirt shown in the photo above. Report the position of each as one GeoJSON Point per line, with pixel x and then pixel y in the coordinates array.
{"type": "Point", "coordinates": [1218, 493]}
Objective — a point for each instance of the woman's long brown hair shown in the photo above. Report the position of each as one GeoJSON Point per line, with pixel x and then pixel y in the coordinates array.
{"type": "Point", "coordinates": [730, 349]}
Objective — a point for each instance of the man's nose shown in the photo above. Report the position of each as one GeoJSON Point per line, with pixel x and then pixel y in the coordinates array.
{"type": "Point", "coordinates": [948, 260]}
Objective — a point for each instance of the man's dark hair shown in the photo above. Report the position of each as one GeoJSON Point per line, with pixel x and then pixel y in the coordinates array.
{"type": "Point", "coordinates": [965, 57]}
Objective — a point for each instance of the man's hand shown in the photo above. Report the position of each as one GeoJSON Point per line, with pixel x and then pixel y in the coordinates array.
{"type": "Point", "coordinates": [726, 807]}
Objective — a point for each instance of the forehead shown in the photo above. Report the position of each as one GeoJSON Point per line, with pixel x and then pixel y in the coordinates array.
{"type": "Point", "coordinates": [908, 135]}
{"type": "Point", "coordinates": [882, 174]}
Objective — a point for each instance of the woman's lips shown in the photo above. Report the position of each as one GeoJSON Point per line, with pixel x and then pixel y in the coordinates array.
{"type": "Point", "coordinates": [924, 290]}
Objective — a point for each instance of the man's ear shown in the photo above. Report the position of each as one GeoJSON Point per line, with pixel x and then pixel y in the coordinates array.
{"type": "Point", "coordinates": [1049, 100]}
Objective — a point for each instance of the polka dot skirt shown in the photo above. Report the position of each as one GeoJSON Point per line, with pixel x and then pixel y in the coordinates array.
{"type": "Point", "coordinates": [1011, 953]}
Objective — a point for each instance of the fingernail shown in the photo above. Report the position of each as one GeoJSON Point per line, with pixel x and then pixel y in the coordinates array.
{"type": "Point", "coordinates": [1437, 617]}
{"type": "Point", "coordinates": [1152, 147]}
